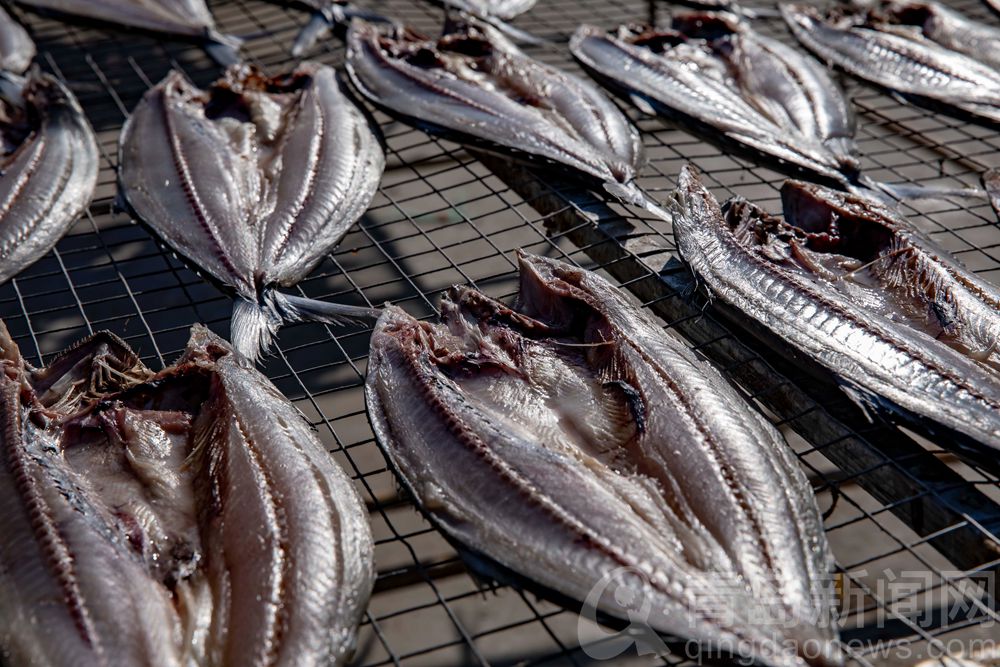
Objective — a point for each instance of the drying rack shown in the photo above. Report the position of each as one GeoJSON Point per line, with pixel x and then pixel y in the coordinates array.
{"type": "Point", "coordinates": [914, 530]}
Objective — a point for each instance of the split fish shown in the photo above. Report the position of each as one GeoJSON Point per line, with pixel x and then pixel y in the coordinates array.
{"type": "Point", "coordinates": [713, 71]}
{"type": "Point", "coordinates": [253, 180]}
{"type": "Point", "coordinates": [187, 18]}
{"type": "Point", "coordinates": [179, 518]}
{"type": "Point", "coordinates": [570, 441]}
{"type": "Point", "coordinates": [16, 48]}
{"type": "Point", "coordinates": [474, 85]}
{"type": "Point", "coordinates": [905, 329]}
{"type": "Point", "coordinates": [905, 61]}
{"type": "Point", "coordinates": [48, 171]}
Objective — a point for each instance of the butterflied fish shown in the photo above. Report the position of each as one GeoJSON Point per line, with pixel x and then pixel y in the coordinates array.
{"type": "Point", "coordinates": [16, 48]}
{"type": "Point", "coordinates": [474, 85]}
{"type": "Point", "coordinates": [254, 180]}
{"type": "Point", "coordinates": [186, 18]}
{"type": "Point", "coordinates": [48, 171]}
{"type": "Point", "coordinates": [880, 258]}
{"type": "Point", "coordinates": [715, 72]}
{"type": "Point", "coordinates": [852, 293]}
{"type": "Point", "coordinates": [569, 440]}
{"type": "Point", "coordinates": [186, 517]}
{"type": "Point", "coordinates": [941, 25]}
{"type": "Point", "coordinates": [904, 61]}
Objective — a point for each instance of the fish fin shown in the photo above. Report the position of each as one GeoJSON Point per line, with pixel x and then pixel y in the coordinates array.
{"type": "Point", "coordinates": [642, 104]}
{"type": "Point", "coordinates": [223, 49]}
{"type": "Point", "coordinates": [518, 35]}
{"type": "Point", "coordinates": [255, 324]}
{"type": "Point", "coordinates": [870, 404]}
{"type": "Point", "coordinates": [316, 29]}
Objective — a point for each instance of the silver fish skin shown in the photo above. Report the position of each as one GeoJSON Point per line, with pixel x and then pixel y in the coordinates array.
{"type": "Point", "coordinates": [572, 441]}
{"type": "Point", "coordinates": [474, 84]}
{"type": "Point", "coordinates": [16, 47]}
{"type": "Point", "coordinates": [881, 362]}
{"type": "Point", "coordinates": [180, 518]}
{"type": "Point", "coordinates": [254, 180]}
{"type": "Point", "coordinates": [716, 70]}
{"type": "Point", "coordinates": [902, 61]}
{"type": "Point", "coordinates": [924, 284]}
{"type": "Point", "coordinates": [48, 171]}
{"type": "Point", "coordinates": [941, 25]}
{"type": "Point", "coordinates": [187, 18]}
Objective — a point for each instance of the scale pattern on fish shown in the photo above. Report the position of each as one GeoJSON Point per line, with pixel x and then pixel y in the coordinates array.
{"type": "Point", "coordinates": [712, 70]}
{"type": "Point", "coordinates": [901, 59]}
{"type": "Point", "coordinates": [48, 171]}
{"type": "Point", "coordinates": [187, 18]}
{"type": "Point", "coordinates": [861, 293]}
{"type": "Point", "coordinates": [186, 517]}
{"type": "Point", "coordinates": [473, 84]}
{"type": "Point", "coordinates": [254, 180]}
{"type": "Point", "coordinates": [570, 440]}
{"type": "Point", "coordinates": [16, 47]}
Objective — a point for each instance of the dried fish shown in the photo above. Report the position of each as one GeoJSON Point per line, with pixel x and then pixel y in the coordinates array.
{"type": "Point", "coordinates": [713, 71]}
{"type": "Point", "coordinates": [186, 517]}
{"type": "Point", "coordinates": [571, 441]}
{"type": "Point", "coordinates": [16, 48]}
{"type": "Point", "coordinates": [914, 280]}
{"type": "Point", "coordinates": [941, 25]}
{"type": "Point", "coordinates": [902, 60]}
{"type": "Point", "coordinates": [185, 18]}
{"type": "Point", "coordinates": [474, 85]}
{"type": "Point", "coordinates": [48, 171]}
{"type": "Point", "coordinates": [853, 293]}
{"type": "Point", "coordinates": [254, 180]}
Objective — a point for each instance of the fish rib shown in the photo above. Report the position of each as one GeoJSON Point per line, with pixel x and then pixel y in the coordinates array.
{"type": "Point", "coordinates": [589, 442]}
{"type": "Point", "coordinates": [906, 369]}
{"type": "Point", "coordinates": [256, 551]}
{"type": "Point", "coordinates": [253, 180]}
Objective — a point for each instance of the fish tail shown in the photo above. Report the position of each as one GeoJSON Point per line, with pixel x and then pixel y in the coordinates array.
{"type": "Point", "coordinates": [911, 191]}
{"type": "Point", "coordinates": [255, 323]}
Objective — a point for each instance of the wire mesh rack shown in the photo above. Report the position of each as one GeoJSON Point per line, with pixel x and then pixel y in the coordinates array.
{"type": "Point", "coordinates": [914, 530]}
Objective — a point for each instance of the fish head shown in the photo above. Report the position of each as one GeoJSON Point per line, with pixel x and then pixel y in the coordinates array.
{"type": "Point", "coordinates": [697, 216]}
{"type": "Point", "coordinates": [834, 221]}
{"type": "Point", "coordinates": [708, 26]}
{"type": "Point", "coordinates": [85, 373]}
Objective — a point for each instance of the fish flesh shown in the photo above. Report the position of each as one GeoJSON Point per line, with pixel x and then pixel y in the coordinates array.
{"type": "Point", "coordinates": [48, 171]}
{"type": "Point", "coordinates": [901, 60]}
{"type": "Point", "coordinates": [186, 18]}
{"type": "Point", "coordinates": [253, 180]}
{"type": "Point", "coordinates": [185, 517]}
{"type": "Point", "coordinates": [715, 72]}
{"type": "Point", "coordinates": [853, 294]}
{"type": "Point", "coordinates": [17, 50]}
{"type": "Point", "coordinates": [569, 440]}
{"type": "Point", "coordinates": [879, 257]}
{"type": "Point", "coordinates": [475, 85]}
{"type": "Point", "coordinates": [941, 25]}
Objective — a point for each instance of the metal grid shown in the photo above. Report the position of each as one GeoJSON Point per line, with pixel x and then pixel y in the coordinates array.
{"type": "Point", "coordinates": [445, 216]}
